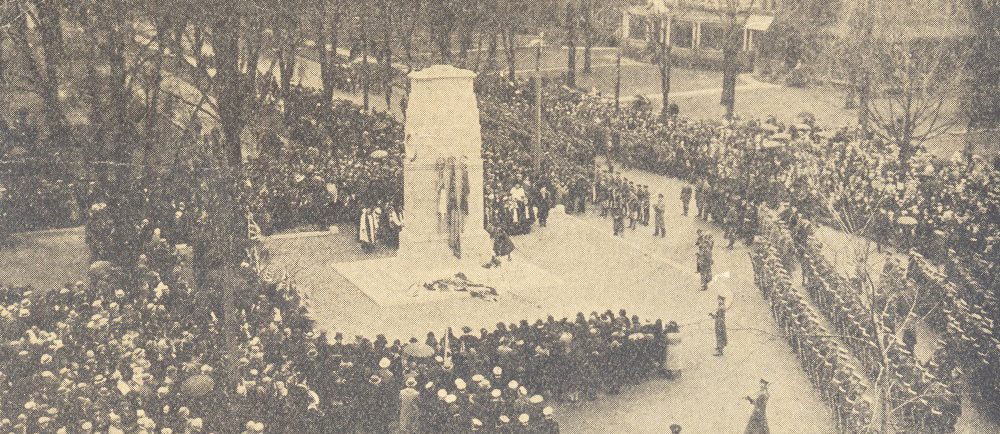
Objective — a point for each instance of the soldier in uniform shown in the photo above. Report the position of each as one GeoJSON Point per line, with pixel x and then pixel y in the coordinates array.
{"type": "Point", "coordinates": [704, 259]}
{"type": "Point", "coordinates": [721, 339]}
{"type": "Point", "coordinates": [686, 192]}
{"type": "Point", "coordinates": [758, 420]}
{"type": "Point", "coordinates": [660, 227]}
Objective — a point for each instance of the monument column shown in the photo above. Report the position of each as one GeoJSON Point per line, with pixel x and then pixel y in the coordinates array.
{"type": "Point", "coordinates": [442, 122]}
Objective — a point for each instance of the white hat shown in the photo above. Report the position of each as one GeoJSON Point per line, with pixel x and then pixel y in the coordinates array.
{"type": "Point", "coordinates": [523, 418]}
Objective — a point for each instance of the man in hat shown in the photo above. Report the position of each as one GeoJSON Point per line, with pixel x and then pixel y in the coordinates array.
{"type": "Point", "coordinates": [758, 420]}
{"type": "Point", "coordinates": [704, 258]}
{"type": "Point", "coordinates": [660, 227]}
{"type": "Point", "coordinates": [408, 412]}
{"type": "Point", "coordinates": [686, 192]}
{"type": "Point", "coordinates": [720, 326]}
{"type": "Point", "coordinates": [548, 425]}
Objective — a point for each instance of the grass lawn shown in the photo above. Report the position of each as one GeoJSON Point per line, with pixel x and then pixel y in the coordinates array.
{"type": "Point", "coordinates": [45, 259]}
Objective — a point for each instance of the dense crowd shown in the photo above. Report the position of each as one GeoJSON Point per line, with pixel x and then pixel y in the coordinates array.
{"type": "Point", "coordinates": [136, 349]}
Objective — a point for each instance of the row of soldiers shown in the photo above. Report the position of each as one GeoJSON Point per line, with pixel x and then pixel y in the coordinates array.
{"type": "Point", "coordinates": [829, 364]}
{"type": "Point", "coordinates": [922, 399]}
{"type": "Point", "coordinates": [824, 360]}
{"type": "Point", "coordinates": [622, 199]}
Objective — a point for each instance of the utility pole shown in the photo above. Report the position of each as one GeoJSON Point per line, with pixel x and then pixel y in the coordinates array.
{"type": "Point", "coordinates": [618, 78]}
{"type": "Point", "coordinates": [537, 148]}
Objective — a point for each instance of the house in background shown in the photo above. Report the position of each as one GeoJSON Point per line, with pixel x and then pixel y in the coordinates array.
{"type": "Point", "coordinates": [695, 28]}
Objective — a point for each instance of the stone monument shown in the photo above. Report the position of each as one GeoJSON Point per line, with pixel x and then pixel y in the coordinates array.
{"type": "Point", "coordinates": [443, 242]}
{"type": "Point", "coordinates": [442, 135]}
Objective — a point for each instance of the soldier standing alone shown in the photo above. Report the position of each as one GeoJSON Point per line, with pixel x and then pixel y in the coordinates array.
{"type": "Point", "coordinates": [721, 339]}
{"type": "Point", "coordinates": [704, 259]}
{"type": "Point", "coordinates": [658, 211]}
{"type": "Point", "coordinates": [686, 197]}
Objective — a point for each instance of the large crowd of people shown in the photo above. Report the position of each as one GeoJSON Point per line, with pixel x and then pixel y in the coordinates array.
{"type": "Point", "coordinates": [136, 349]}
{"type": "Point", "coordinates": [334, 163]}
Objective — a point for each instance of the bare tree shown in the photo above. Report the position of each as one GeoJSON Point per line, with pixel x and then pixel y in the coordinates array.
{"type": "Point", "coordinates": [35, 32]}
{"type": "Point", "coordinates": [662, 50]}
{"type": "Point", "coordinates": [734, 14]}
{"type": "Point", "coordinates": [326, 23]}
{"type": "Point", "coordinates": [916, 82]}
{"type": "Point", "coordinates": [570, 23]}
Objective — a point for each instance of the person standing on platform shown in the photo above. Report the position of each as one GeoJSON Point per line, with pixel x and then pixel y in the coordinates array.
{"type": "Point", "coordinates": [758, 420]}
{"type": "Point", "coordinates": [658, 216]}
{"type": "Point", "coordinates": [721, 339]}
{"type": "Point", "coordinates": [686, 197]}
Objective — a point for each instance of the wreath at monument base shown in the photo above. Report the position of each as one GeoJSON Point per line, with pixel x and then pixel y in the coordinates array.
{"type": "Point", "coordinates": [460, 283]}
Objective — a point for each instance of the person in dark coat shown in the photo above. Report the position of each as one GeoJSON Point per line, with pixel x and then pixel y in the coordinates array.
{"type": "Point", "coordinates": [544, 204]}
{"type": "Point", "coordinates": [502, 246]}
{"type": "Point", "coordinates": [686, 193]}
{"type": "Point", "coordinates": [721, 340]}
{"type": "Point", "coordinates": [758, 420]}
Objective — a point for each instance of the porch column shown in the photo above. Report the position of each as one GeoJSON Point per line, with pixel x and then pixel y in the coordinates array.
{"type": "Point", "coordinates": [626, 26]}
{"type": "Point", "coordinates": [695, 35]}
{"type": "Point", "coordinates": [670, 20]}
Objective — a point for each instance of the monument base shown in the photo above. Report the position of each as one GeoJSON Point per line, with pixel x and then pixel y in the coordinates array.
{"type": "Point", "coordinates": [399, 280]}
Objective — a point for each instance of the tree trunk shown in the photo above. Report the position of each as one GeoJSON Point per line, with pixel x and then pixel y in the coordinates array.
{"type": "Point", "coordinates": [324, 57]}
{"type": "Point", "coordinates": [571, 44]}
{"type": "Point", "coordinates": [231, 95]}
{"type": "Point", "coordinates": [465, 42]}
{"type": "Point", "coordinates": [365, 69]}
{"type": "Point", "coordinates": [287, 53]}
{"type": "Point", "coordinates": [50, 30]}
{"type": "Point", "coordinates": [120, 96]}
{"type": "Point", "coordinates": [387, 58]}
{"type": "Point", "coordinates": [864, 101]}
{"type": "Point", "coordinates": [510, 46]}
{"type": "Point", "coordinates": [618, 78]}
{"type": "Point", "coordinates": [665, 69]}
{"type": "Point", "coordinates": [588, 35]}
{"type": "Point", "coordinates": [852, 89]}
{"type": "Point", "coordinates": [491, 53]}
{"type": "Point", "coordinates": [729, 82]}
{"type": "Point", "coordinates": [444, 45]}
